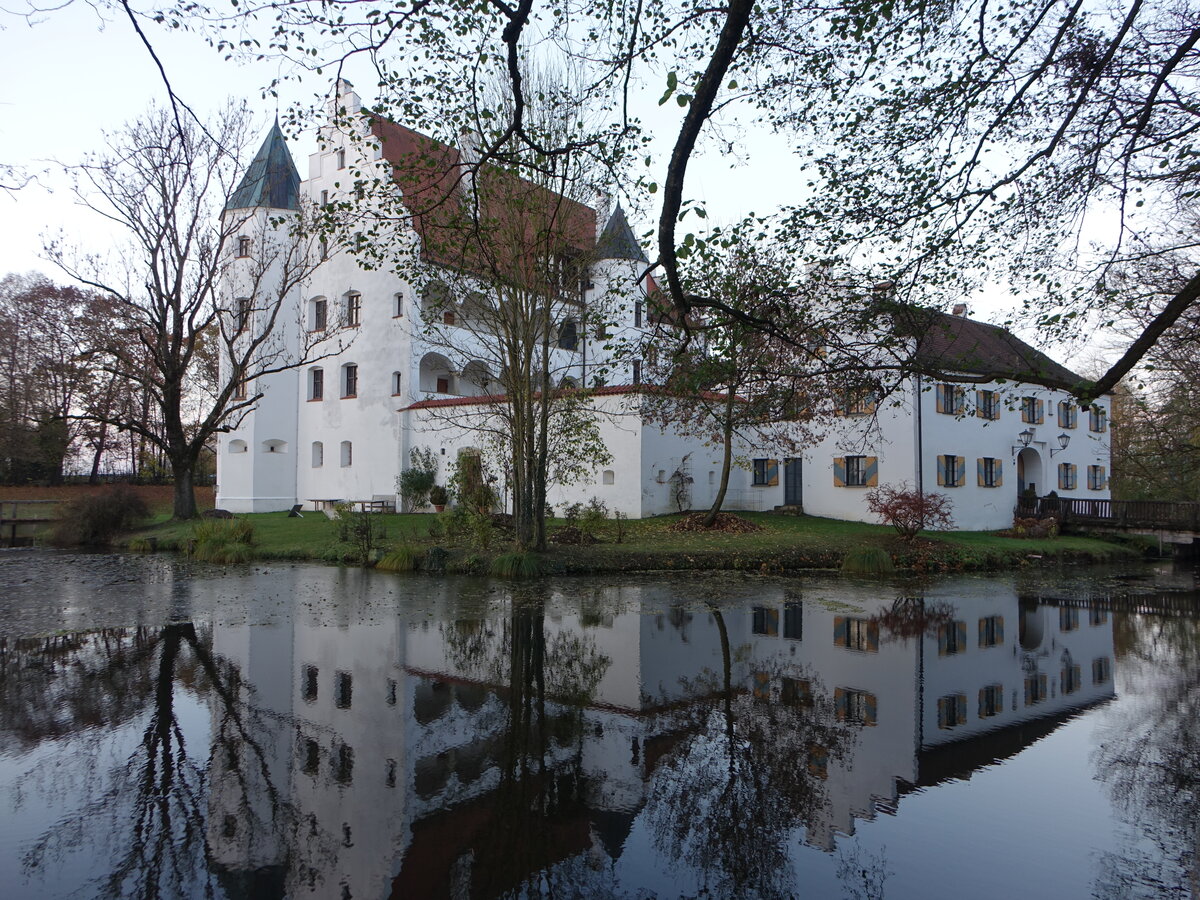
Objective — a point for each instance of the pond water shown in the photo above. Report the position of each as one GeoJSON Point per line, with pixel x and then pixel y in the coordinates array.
{"type": "Point", "coordinates": [169, 730]}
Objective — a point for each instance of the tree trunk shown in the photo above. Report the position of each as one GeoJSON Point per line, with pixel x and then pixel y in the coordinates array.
{"type": "Point", "coordinates": [726, 462]}
{"type": "Point", "coordinates": [185, 495]}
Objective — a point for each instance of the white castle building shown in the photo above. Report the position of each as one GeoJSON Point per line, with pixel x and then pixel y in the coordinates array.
{"type": "Point", "coordinates": [399, 367]}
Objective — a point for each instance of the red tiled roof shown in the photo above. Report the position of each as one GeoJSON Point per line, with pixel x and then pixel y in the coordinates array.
{"type": "Point", "coordinates": [948, 343]}
{"type": "Point", "coordinates": [515, 215]}
{"type": "Point", "coordinates": [606, 391]}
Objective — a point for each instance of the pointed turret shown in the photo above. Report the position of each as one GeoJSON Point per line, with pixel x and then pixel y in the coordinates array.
{"type": "Point", "coordinates": [618, 240]}
{"type": "Point", "coordinates": [271, 181]}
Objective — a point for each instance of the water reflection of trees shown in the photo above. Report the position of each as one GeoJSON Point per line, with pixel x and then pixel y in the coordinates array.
{"type": "Point", "coordinates": [545, 680]}
{"type": "Point", "coordinates": [748, 770]}
{"type": "Point", "coordinates": [1149, 757]}
{"type": "Point", "coordinates": [150, 812]}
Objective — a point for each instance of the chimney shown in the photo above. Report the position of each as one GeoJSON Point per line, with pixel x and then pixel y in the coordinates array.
{"type": "Point", "coordinates": [960, 309]}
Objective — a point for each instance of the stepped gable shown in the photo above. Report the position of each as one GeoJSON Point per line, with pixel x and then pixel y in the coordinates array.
{"type": "Point", "coordinates": [618, 241]}
{"type": "Point", "coordinates": [271, 181]}
{"type": "Point", "coordinates": [948, 343]}
{"type": "Point", "coordinates": [515, 215]}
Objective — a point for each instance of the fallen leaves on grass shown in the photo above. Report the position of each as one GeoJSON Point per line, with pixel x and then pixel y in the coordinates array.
{"type": "Point", "coordinates": [725, 522]}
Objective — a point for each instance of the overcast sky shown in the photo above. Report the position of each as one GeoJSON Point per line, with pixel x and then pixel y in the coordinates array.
{"type": "Point", "coordinates": [68, 76]}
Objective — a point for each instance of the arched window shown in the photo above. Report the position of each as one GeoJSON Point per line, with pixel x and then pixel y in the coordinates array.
{"type": "Point", "coordinates": [398, 304]}
{"type": "Point", "coordinates": [349, 381]}
{"type": "Point", "coordinates": [347, 454]}
{"type": "Point", "coordinates": [609, 477]}
{"type": "Point", "coordinates": [435, 374]}
{"type": "Point", "coordinates": [237, 446]}
{"type": "Point", "coordinates": [318, 454]}
{"type": "Point", "coordinates": [397, 384]}
{"type": "Point", "coordinates": [274, 446]}
{"type": "Point", "coordinates": [316, 383]}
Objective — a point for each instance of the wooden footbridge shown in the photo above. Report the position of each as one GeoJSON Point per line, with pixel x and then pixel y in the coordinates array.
{"type": "Point", "coordinates": [1173, 522]}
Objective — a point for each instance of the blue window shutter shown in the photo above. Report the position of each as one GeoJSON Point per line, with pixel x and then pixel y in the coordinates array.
{"type": "Point", "coordinates": [982, 628]}
{"type": "Point", "coordinates": [772, 472]}
{"type": "Point", "coordinates": [998, 468]}
{"type": "Point", "coordinates": [979, 474]}
{"type": "Point", "coordinates": [873, 637]}
{"type": "Point", "coordinates": [961, 471]}
{"type": "Point", "coordinates": [839, 471]}
{"type": "Point", "coordinates": [872, 708]}
{"type": "Point", "coordinates": [872, 471]}
{"type": "Point", "coordinates": [941, 398]}
{"type": "Point", "coordinates": [839, 702]}
{"type": "Point", "coordinates": [962, 635]}
{"type": "Point", "coordinates": [941, 470]}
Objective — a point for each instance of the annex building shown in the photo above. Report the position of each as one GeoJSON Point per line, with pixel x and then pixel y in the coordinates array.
{"type": "Point", "coordinates": [402, 363]}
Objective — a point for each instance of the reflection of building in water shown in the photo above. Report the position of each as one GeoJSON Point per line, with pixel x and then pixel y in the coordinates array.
{"type": "Point", "coordinates": [409, 758]}
{"type": "Point", "coordinates": [329, 703]}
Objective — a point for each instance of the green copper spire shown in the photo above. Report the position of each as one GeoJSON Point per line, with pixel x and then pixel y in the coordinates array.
{"type": "Point", "coordinates": [271, 181]}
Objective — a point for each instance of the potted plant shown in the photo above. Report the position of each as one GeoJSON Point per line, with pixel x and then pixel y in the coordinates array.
{"type": "Point", "coordinates": [437, 496]}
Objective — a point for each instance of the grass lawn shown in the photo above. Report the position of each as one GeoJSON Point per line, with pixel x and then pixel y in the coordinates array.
{"type": "Point", "coordinates": [786, 543]}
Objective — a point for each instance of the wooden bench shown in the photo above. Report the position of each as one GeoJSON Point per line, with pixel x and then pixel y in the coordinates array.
{"type": "Point", "coordinates": [376, 506]}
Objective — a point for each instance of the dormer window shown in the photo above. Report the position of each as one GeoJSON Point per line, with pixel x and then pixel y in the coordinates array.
{"type": "Point", "coordinates": [243, 246]}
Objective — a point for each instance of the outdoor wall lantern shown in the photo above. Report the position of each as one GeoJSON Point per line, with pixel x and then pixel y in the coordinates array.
{"type": "Point", "coordinates": [1063, 440]}
{"type": "Point", "coordinates": [1023, 439]}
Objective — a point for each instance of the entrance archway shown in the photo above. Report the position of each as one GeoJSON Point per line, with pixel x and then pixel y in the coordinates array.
{"type": "Point", "coordinates": [1029, 472]}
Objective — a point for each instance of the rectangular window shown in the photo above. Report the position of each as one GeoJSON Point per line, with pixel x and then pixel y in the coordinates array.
{"type": "Point", "coordinates": [952, 710]}
{"type": "Point", "coordinates": [1097, 617]}
{"type": "Point", "coordinates": [1068, 414]}
{"type": "Point", "coordinates": [341, 159]}
{"type": "Point", "coordinates": [320, 314]}
{"type": "Point", "coordinates": [1101, 670]}
{"type": "Point", "coordinates": [343, 765]}
{"type": "Point", "coordinates": [316, 387]}
{"type": "Point", "coordinates": [855, 707]}
{"type": "Point", "coordinates": [448, 318]}
{"type": "Point", "coordinates": [324, 198]}
{"type": "Point", "coordinates": [1068, 476]}
{"type": "Point", "coordinates": [765, 472]}
{"type": "Point", "coordinates": [1071, 679]}
{"type": "Point", "coordinates": [353, 310]}
{"type": "Point", "coordinates": [991, 701]}
{"type": "Point", "coordinates": [637, 371]}
{"type": "Point", "coordinates": [856, 634]}
{"type": "Point", "coordinates": [951, 471]}
{"type": "Point", "coordinates": [1096, 478]}
{"type": "Point", "coordinates": [856, 471]}
{"type": "Point", "coordinates": [343, 690]}
{"type": "Point", "coordinates": [1032, 410]}
{"type": "Point", "coordinates": [311, 751]}
{"type": "Point", "coordinates": [766, 621]}
{"type": "Point", "coordinates": [398, 305]}
{"type": "Point", "coordinates": [951, 399]}
{"type": "Point", "coordinates": [443, 385]}
{"type": "Point", "coordinates": [324, 249]}
{"type": "Point", "coordinates": [243, 248]}
{"type": "Point", "coordinates": [858, 402]}
{"type": "Point", "coordinates": [350, 388]}
{"type": "Point", "coordinates": [1068, 618]}
{"type": "Point", "coordinates": [990, 472]}
{"type": "Point", "coordinates": [1098, 420]}
{"type": "Point", "coordinates": [397, 384]}
{"type": "Point", "coordinates": [987, 405]}
{"type": "Point", "coordinates": [308, 683]}
{"type": "Point", "coordinates": [793, 620]}
{"type": "Point", "coordinates": [991, 631]}
{"type": "Point", "coordinates": [952, 638]}
{"type": "Point", "coordinates": [1035, 689]}
{"type": "Point", "coordinates": [240, 390]}
{"type": "Point", "coordinates": [795, 692]}
{"type": "Point", "coordinates": [637, 314]}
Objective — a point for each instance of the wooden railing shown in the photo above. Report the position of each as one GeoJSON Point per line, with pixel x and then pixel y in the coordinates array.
{"type": "Point", "coordinates": [1166, 515]}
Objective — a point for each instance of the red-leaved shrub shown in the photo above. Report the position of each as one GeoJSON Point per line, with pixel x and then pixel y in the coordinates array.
{"type": "Point", "coordinates": [909, 510]}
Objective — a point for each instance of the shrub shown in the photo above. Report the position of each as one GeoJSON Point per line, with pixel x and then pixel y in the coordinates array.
{"type": "Point", "coordinates": [438, 495]}
{"type": "Point", "coordinates": [142, 545]}
{"type": "Point", "coordinates": [362, 530]}
{"type": "Point", "coordinates": [414, 483]}
{"type": "Point", "coordinates": [516, 565]}
{"type": "Point", "coordinates": [868, 561]}
{"type": "Point", "coordinates": [93, 520]}
{"type": "Point", "coordinates": [402, 559]}
{"type": "Point", "coordinates": [223, 541]}
{"type": "Point", "coordinates": [593, 515]}
{"type": "Point", "coordinates": [908, 510]}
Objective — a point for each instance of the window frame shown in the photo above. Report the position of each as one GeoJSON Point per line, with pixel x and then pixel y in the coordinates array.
{"type": "Point", "coordinates": [316, 384]}
{"type": "Point", "coordinates": [352, 310]}
{"type": "Point", "coordinates": [1068, 414]}
{"type": "Point", "coordinates": [1097, 419]}
{"type": "Point", "coordinates": [856, 471]}
{"type": "Point", "coordinates": [349, 381]}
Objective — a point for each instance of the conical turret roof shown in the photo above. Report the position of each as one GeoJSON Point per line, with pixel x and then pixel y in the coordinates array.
{"type": "Point", "coordinates": [271, 181]}
{"type": "Point", "coordinates": [618, 240]}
